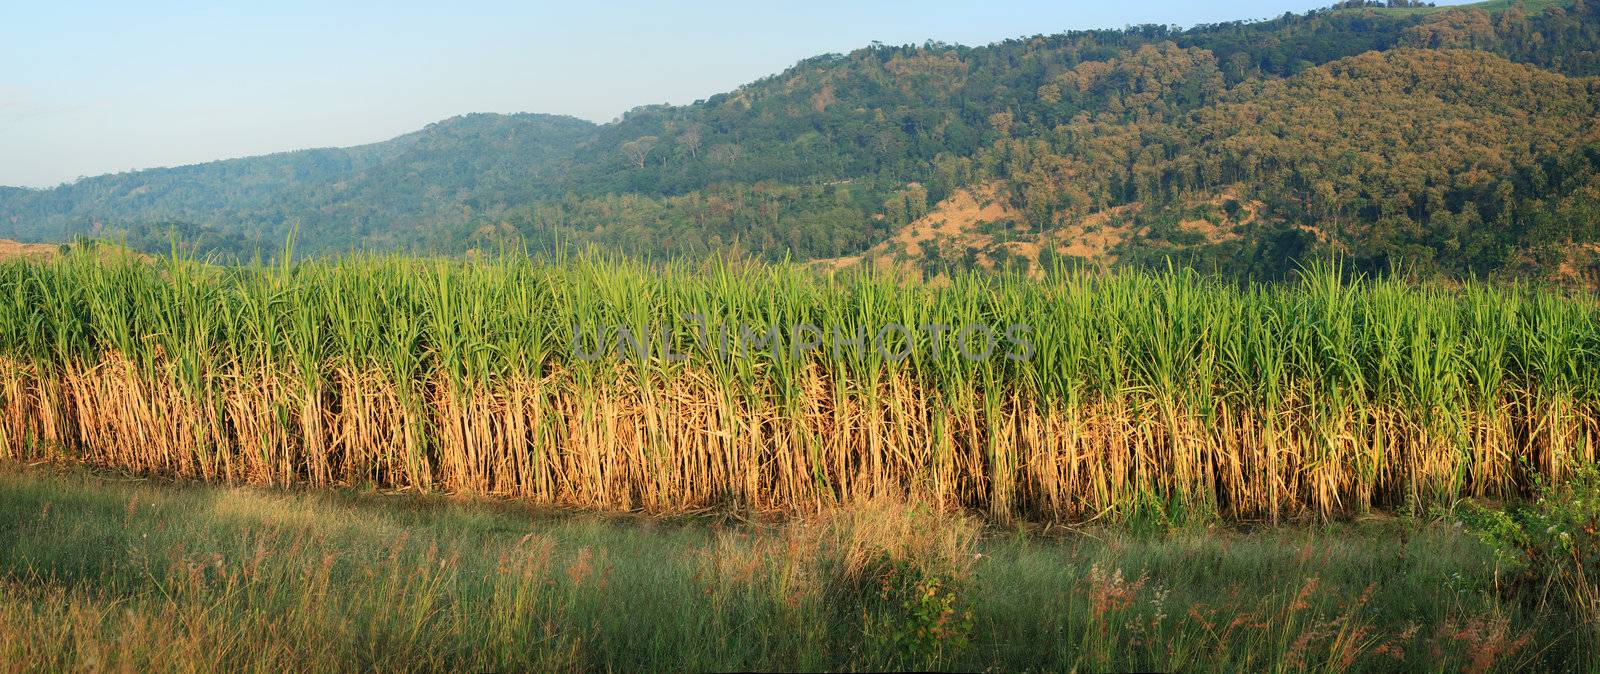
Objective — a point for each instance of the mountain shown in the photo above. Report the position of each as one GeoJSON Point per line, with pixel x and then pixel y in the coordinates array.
{"type": "Point", "coordinates": [369, 194]}
{"type": "Point", "coordinates": [1442, 160]}
{"type": "Point", "coordinates": [1448, 140]}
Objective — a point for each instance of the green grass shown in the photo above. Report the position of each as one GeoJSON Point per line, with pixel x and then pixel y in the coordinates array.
{"type": "Point", "coordinates": [102, 571]}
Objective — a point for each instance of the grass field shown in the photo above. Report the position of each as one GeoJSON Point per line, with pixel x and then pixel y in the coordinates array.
{"type": "Point", "coordinates": [107, 572]}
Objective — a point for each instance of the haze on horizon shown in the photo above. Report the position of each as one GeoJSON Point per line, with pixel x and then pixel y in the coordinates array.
{"type": "Point", "coordinates": [109, 87]}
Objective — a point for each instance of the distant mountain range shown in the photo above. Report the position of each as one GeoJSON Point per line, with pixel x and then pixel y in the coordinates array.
{"type": "Point", "coordinates": [1448, 140]}
{"type": "Point", "coordinates": [365, 195]}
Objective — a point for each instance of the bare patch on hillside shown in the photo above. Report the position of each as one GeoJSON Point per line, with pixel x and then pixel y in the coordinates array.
{"type": "Point", "coordinates": [1095, 236]}
{"type": "Point", "coordinates": [13, 250]}
{"type": "Point", "coordinates": [42, 252]}
{"type": "Point", "coordinates": [977, 227]}
{"type": "Point", "coordinates": [1579, 266]}
{"type": "Point", "coordinates": [960, 221]}
{"type": "Point", "coordinates": [1220, 227]}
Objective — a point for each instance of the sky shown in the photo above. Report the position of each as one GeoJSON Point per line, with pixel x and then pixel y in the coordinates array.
{"type": "Point", "coordinates": [88, 88]}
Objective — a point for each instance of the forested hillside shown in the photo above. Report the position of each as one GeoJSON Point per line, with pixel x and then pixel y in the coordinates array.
{"type": "Point", "coordinates": [376, 195]}
{"type": "Point", "coordinates": [1459, 141]}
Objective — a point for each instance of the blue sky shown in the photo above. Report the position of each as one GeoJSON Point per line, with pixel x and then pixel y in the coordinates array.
{"type": "Point", "coordinates": [101, 87]}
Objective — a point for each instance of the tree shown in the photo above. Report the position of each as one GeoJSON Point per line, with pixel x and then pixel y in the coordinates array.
{"type": "Point", "coordinates": [1001, 121]}
{"type": "Point", "coordinates": [638, 149]}
{"type": "Point", "coordinates": [1050, 94]}
{"type": "Point", "coordinates": [725, 153]}
{"type": "Point", "coordinates": [689, 141]}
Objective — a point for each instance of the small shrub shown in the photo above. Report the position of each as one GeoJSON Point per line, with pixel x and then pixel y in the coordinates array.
{"type": "Point", "coordinates": [919, 618]}
{"type": "Point", "coordinates": [1552, 546]}
{"type": "Point", "coordinates": [905, 571]}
